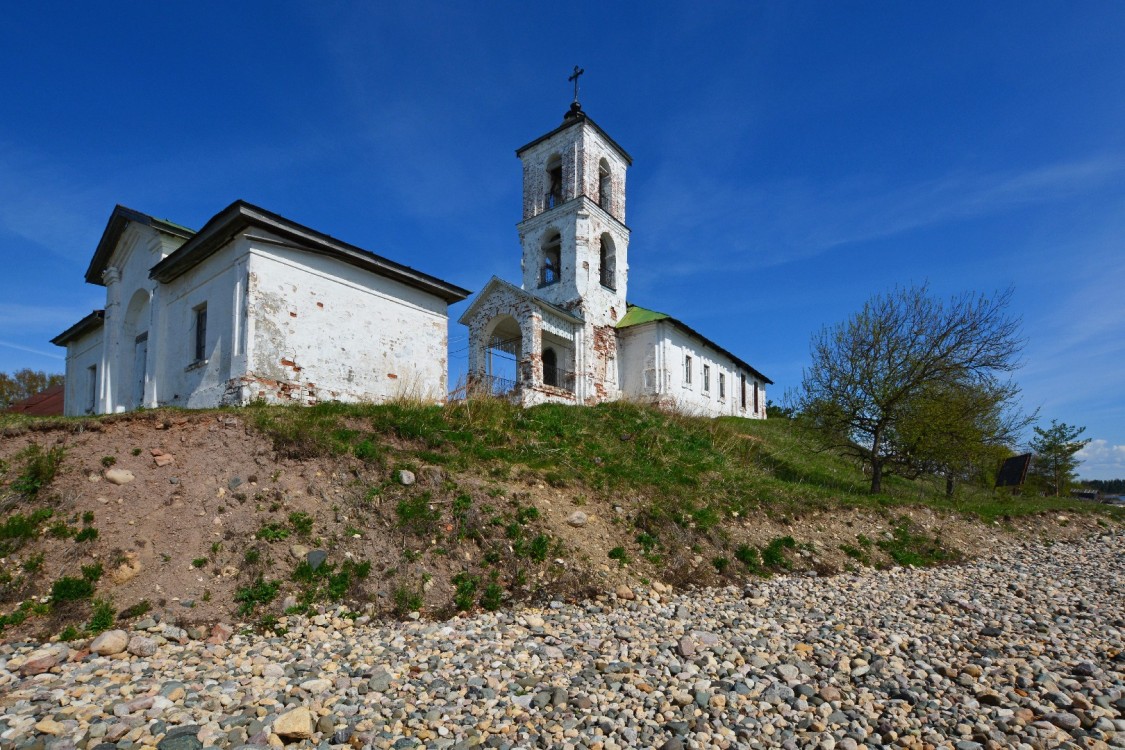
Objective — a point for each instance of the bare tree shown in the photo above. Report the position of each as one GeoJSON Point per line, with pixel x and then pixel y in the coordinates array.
{"type": "Point", "coordinates": [870, 374]}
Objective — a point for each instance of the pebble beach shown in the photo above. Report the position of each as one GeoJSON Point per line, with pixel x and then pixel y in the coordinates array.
{"type": "Point", "coordinates": [1021, 647]}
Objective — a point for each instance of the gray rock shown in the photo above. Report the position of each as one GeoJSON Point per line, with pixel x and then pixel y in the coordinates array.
{"type": "Point", "coordinates": [315, 558]}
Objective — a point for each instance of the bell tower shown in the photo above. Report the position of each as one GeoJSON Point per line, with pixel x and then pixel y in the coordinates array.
{"type": "Point", "coordinates": [573, 234]}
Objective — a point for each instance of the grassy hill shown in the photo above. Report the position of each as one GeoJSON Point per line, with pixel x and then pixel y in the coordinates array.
{"type": "Point", "coordinates": [440, 509]}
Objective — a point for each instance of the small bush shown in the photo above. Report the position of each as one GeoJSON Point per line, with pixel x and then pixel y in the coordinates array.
{"type": "Point", "coordinates": [139, 609]}
{"type": "Point", "coordinates": [108, 461]}
{"type": "Point", "coordinates": [87, 534]}
{"type": "Point", "coordinates": [252, 556]}
{"type": "Point", "coordinates": [261, 592]}
{"type": "Point", "coordinates": [406, 600]}
{"type": "Point", "coordinates": [302, 523]}
{"type": "Point", "coordinates": [88, 517]}
{"type": "Point", "coordinates": [69, 589]}
{"type": "Point", "coordinates": [619, 554]}
{"type": "Point", "coordinates": [136, 451]}
{"type": "Point", "coordinates": [272, 532]}
{"type": "Point", "coordinates": [103, 616]}
{"type": "Point", "coordinates": [199, 562]}
{"type": "Point", "coordinates": [416, 515]}
{"type": "Point", "coordinates": [492, 596]}
{"type": "Point", "coordinates": [39, 468]}
{"type": "Point", "coordinates": [92, 573]}
{"type": "Point", "coordinates": [647, 542]}
{"type": "Point", "coordinates": [70, 633]}
{"type": "Point", "coordinates": [18, 528]}
{"type": "Point", "coordinates": [33, 563]}
{"type": "Point", "coordinates": [773, 554]}
{"type": "Point", "coordinates": [368, 452]}
{"type": "Point", "coordinates": [907, 548]}
{"type": "Point", "coordinates": [60, 530]}
{"type": "Point", "coordinates": [751, 558]}
{"type": "Point", "coordinates": [466, 590]}
{"type": "Point", "coordinates": [721, 564]}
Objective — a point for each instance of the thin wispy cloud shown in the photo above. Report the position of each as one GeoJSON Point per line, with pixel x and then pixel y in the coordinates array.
{"type": "Point", "coordinates": [30, 350]}
{"type": "Point", "coordinates": [743, 226]}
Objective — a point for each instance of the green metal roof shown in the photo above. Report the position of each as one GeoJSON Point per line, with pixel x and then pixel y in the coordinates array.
{"type": "Point", "coordinates": [635, 315]}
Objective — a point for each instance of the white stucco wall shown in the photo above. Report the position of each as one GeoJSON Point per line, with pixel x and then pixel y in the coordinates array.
{"type": "Point", "coordinates": [82, 354]}
{"type": "Point", "coordinates": [321, 329]}
{"type": "Point", "coordinates": [659, 349]}
{"type": "Point", "coordinates": [180, 380]}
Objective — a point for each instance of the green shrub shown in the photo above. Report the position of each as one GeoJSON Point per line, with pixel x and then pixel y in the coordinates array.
{"type": "Point", "coordinates": [70, 633]}
{"type": "Point", "coordinates": [721, 564]}
{"type": "Point", "coordinates": [368, 452]}
{"type": "Point", "coordinates": [69, 589]}
{"type": "Point", "coordinates": [773, 554]}
{"type": "Point", "coordinates": [92, 573]}
{"type": "Point", "coordinates": [103, 616]}
{"type": "Point", "coordinates": [108, 461]}
{"type": "Point", "coordinates": [252, 556]}
{"type": "Point", "coordinates": [199, 562]}
{"type": "Point", "coordinates": [416, 515]}
{"type": "Point", "coordinates": [87, 534]}
{"type": "Point", "coordinates": [17, 529]}
{"type": "Point", "coordinates": [302, 523]}
{"type": "Point", "coordinates": [406, 600]}
{"type": "Point", "coordinates": [492, 596]}
{"type": "Point", "coordinates": [647, 542]}
{"type": "Point", "coordinates": [619, 554]}
{"type": "Point", "coordinates": [33, 563]}
{"type": "Point", "coordinates": [751, 558]}
{"type": "Point", "coordinates": [261, 592]}
{"type": "Point", "coordinates": [272, 532]}
{"type": "Point", "coordinates": [88, 517]}
{"type": "Point", "coordinates": [139, 609]}
{"type": "Point", "coordinates": [466, 590]}
{"type": "Point", "coordinates": [39, 468]}
{"type": "Point", "coordinates": [907, 548]}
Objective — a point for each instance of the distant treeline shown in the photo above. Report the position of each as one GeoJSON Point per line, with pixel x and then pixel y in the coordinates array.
{"type": "Point", "coordinates": [1106, 486]}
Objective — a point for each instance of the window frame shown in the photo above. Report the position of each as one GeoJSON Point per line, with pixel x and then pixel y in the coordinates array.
{"type": "Point", "coordinates": [199, 331]}
{"type": "Point", "coordinates": [706, 378]}
{"type": "Point", "coordinates": [687, 370]}
{"type": "Point", "coordinates": [722, 386]}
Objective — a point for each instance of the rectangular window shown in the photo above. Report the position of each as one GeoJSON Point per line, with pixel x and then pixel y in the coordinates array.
{"type": "Point", "coordinates": [201, 333]}
{"type": "Point", "coordinates": [722, 385]}
{"type": "Point", "coordinates": [91, 388]}
{"type": "Point", "coordinates": [687, 369]}
{"type": "Point", "coordinates": [755, 396]}
{"type": "Point", "coordinates": [706, 378]}
{"type": "Point", "coordinates": [742, 382]}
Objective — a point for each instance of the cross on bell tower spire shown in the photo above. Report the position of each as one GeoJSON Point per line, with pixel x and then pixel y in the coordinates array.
{"type": "Point", "coordinates": [574, 77]}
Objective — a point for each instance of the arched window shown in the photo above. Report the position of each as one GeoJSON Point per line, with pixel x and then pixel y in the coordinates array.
{"type": "Point", "coordinates": [550, 367]}
{"type": "Point", "coordinates": [554, 182]}
{"type": "Point", "coordinates": [608, 262]}
{"type": "Point", "coordinates": [605, 185]}
{"type": "Point", "coordinates": [552, 258]}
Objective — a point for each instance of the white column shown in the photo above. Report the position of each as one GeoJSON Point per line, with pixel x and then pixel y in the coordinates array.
{"type": "Point", "coordinates": [111, 341]}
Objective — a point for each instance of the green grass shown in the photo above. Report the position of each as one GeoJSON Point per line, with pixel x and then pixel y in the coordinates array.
{"type": "Point", "coordinates": [906, 547]}
{"type": "Point", "coordinates": [739, 465]}
{"type": "Point", "coordinates": [259, 593]}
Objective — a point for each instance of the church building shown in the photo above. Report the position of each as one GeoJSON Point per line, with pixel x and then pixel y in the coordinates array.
{"type": "Point", "coordinates": [568, 333]}
{"type": "Point", "coordinates": [251, 307]}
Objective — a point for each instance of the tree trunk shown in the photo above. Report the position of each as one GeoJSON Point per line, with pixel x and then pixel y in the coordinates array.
{"type": "Point", "coordinates": [876, 462]}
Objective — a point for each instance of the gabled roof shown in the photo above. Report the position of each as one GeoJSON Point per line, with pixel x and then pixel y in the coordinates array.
{"type": "Point", "coordinates": [91, 322]}
{"type": "Point", "coordinates": [46, 403]}
{"type": "Point", "coordinates": [118, 222]}
{"type": "Point", "coordinates": [496, 283]}
{"type": "Point", "coordinates": [241, 215]}
{"type": "Point", "coordinates": [635, 315]}
{"type": "Point", "coordinates": [576, 117]}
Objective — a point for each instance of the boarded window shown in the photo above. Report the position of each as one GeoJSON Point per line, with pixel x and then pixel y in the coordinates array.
{"type": "Point", "coordinates": [201, 333]}
{"type": "Point", "coordinates": [91, 388]}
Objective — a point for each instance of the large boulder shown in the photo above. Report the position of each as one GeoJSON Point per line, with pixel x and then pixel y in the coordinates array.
{"type": "Point", "coordinates": [110, 642]}
{"type": "Point", "coordinates": [294, 725]}
{"type": "Point", "coordinates": [119, 476]}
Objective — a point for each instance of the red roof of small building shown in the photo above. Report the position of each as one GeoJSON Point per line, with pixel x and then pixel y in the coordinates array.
{"type": "Point", "coordinates": [46, 403]}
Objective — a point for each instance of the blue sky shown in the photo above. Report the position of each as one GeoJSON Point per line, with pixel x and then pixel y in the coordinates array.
{"type": "Point", "coordinates": [791, 159]}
